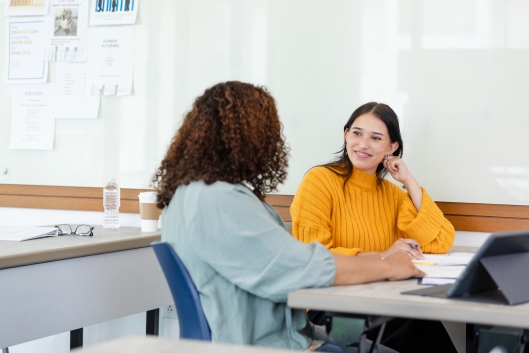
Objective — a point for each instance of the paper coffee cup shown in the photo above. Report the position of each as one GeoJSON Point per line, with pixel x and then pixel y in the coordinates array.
{"type": "Point", "coordinates": [149, 213]}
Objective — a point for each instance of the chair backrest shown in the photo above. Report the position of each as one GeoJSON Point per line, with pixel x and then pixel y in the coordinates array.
{"type": "Point", "coordinates": [192, 321]}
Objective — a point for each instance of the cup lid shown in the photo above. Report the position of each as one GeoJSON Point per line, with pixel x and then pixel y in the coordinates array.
{"type": "Point", "coordinates": [149, 196]}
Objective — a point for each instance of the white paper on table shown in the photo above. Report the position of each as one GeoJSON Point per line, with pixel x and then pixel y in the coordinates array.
{"type": "Point", "coordinates": [110, 62]}
{"type": "Point", "coordinates": [441, 271]}
{"type": "Point", "coordinates": [462, 254]}
{"type": "Point", "coordinates": [66, 30]}
{"type": "Point", "coordinates": [113, 12]}
{"type": "Point", "coordinates": [432, 281]}
{"type": "Point", "coordinates": [448, 259]}
{"type": "Point", "coordinates": [32, 123]}
{"type": "Point", "coordinates": [21, 8]}
{"type": "Point", "coordinates": [70, 87]}
{"type": "Point", "coordinates": [25, 38]}
{"type": "Point", "coordinates": [14, 233]}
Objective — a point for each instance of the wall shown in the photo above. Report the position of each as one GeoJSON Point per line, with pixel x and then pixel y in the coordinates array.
{"type": "Point", "coordinates": [454, 71]}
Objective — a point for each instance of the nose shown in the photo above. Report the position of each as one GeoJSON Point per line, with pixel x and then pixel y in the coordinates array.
{"type": "Point", "coordinates": [362, 143]}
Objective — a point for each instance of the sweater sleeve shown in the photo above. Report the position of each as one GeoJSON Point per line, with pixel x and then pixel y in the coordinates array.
{"type": "Point", "coordinates": [311, 212]}
{"type": "Point", "coordinates": [433, 232]}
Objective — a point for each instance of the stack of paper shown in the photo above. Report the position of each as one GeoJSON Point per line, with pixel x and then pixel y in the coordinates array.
{"type": "Point", "coordinates": [442, 271]}
{"type": "Point", "coordinates": [432, 281]}
{"type": "Point", "coordinates": [447, 266]}
{"type": "Point", "coordinates": [454, 259]}
{"type": "Point", "coordinates": [10, 233]}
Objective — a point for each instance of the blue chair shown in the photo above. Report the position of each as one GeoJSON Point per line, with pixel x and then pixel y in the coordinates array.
{"type": "Point", "coordinates": [193, 323]}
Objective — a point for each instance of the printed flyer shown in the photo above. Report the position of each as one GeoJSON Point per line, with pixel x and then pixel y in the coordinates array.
{"type": "Point", "coordinates": [111, 62]}
{"type": "Point", "coordinates": [67, 26]}
{"type": "Point", "coordinates": [25, 38]}
{"type": "Point", "coordinates": [70, 88]}
{"type": "Point", "coordinates": [26, 8]}
{"type": "Point", "coordinates": [33, 125]}
{"type": "Point", "coordinates": [113, 12]}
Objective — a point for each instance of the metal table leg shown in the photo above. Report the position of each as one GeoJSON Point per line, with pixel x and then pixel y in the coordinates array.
{"type": "Point", "coordinates": [76, 338]}
{"type": "Point", "coordinates": [153, 321]}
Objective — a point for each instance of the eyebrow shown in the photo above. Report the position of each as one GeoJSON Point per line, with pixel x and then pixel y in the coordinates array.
{"type": "Point", "coordinates": [374, 132]}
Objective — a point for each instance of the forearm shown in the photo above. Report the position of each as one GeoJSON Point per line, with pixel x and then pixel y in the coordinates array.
{"type": "Point", "coordinates": [365, 269]}
{"type": "Point", "coordinates": [414, 192]}
{"type": "Point", "coordinates": [369, 253]}
{"type": "Point", "coordinates": [356, 270]}
{"type": "Point", "coordinates": [429, 227]}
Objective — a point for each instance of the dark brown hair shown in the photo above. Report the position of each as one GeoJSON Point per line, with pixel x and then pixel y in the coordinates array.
{"type": "Point", "coordinates": [231, 134]}
{"type": "Point", "coordinates": [342, 165]}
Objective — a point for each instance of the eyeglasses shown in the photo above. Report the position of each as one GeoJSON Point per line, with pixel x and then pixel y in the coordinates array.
{"type": "Point", "coordinates": [82, 229]}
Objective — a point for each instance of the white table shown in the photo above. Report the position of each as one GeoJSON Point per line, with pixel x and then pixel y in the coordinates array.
{"type": "Point", "coordinates": [55, 285]}
{"type": "Point", "coordinates": [136, 344]}
{"type": "Point", "coordinates": [384, 299]}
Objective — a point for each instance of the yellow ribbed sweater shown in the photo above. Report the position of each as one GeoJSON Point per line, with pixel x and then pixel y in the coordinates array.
{"type": "Point", "coordinates": [366, 216]}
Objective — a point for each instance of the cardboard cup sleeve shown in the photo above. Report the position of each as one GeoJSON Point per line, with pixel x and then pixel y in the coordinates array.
{"type": "Point", "coordinates": [149, 211]}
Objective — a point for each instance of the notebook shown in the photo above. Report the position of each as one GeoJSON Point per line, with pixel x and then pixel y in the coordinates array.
{"type": "Point", "coordinates": [15, 233]}
{"type": "Point", "coordinates": [444, 266]}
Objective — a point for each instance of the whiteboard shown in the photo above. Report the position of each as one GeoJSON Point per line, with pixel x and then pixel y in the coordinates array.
{"type": "Point", "coordinates": [455, 71]}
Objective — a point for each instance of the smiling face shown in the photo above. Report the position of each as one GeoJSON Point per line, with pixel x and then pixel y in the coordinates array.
{"type": "Point", "coordinates": [368, 142]}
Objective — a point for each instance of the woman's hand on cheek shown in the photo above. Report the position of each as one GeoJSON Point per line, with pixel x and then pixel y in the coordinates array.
{"type": "Point", "coordinates": [397, 168]}
{"type": "Point", "coordinates": [399, 171]}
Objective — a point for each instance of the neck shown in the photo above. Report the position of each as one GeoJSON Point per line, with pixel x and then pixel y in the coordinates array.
{"type": "Point", "coordinates": [362, 179]}
{"type": "Point", "coordinates": [371, 171]}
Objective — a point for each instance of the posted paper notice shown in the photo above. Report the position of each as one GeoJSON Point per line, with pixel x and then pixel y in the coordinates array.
{"type": "Point", "coordinates": [113, 12]}
{"type": "Point", "coordinates": [25, 38]}
{"type": "Point", "coordinates": [111, 59]}
{"type": "Point", "coordinates": [26, 8]}
{"type": "Point", "coordinates": [66, 27]}
{"type": "Point", "coordinates": [32, 123]}
{"type": "Point", "coordinates": [70, 88]}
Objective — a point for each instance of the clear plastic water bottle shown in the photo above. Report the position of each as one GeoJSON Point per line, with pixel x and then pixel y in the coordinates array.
{"type": "Point", "coordinates": [111, 201]}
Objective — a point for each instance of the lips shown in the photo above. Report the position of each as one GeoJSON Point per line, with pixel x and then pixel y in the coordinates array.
{"type": "Point", "coordinates": [362, 154]}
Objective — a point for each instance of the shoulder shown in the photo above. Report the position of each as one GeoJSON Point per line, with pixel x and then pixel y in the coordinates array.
{"type": "Point", "coordinates": [219, 191]}
{"type": "Point", "coordinates": [319, 183]}
{"type": "Point", "coordinates": [392, 189]}
{"type": "Point", "coordinates": [391, 185]}
{"type": "Point", "coordinates": [198, 201]}
{"type": "Point", "coordinates": [321, 174]}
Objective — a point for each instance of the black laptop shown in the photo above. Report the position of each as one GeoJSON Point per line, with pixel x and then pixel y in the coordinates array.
{"type": "Point", "coordinates": [498, 273]}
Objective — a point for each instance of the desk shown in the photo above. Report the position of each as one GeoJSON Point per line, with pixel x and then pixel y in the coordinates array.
{"type": "Point", "coordinates": [384, 299]}
{"type": "Point", "coordinates": [136, 344]}
{"type": "Point", "coordinates": [60, 284]}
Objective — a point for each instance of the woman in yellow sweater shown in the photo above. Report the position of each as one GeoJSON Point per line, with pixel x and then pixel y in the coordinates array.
{"type": "Point", "coordinates": [349, 207]}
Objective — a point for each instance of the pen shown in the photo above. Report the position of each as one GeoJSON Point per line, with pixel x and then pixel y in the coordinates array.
{"type": "Point", "coordinates": [420, 262]}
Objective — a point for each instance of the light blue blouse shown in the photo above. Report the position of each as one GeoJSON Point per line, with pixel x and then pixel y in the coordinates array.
{"type": "Point", "coordinates": [244, 262]}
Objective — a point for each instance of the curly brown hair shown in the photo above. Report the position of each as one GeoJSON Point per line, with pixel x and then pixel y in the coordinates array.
{"type": "Point", "coordinates": [231, 134]}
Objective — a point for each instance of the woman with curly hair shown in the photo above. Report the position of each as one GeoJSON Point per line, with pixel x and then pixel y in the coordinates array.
{"type": "Point", "coordinates": [227, 154]}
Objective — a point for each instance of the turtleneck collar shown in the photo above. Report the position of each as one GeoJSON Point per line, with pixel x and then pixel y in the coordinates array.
{"type": "Point", "coordinates": [363, 180]}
